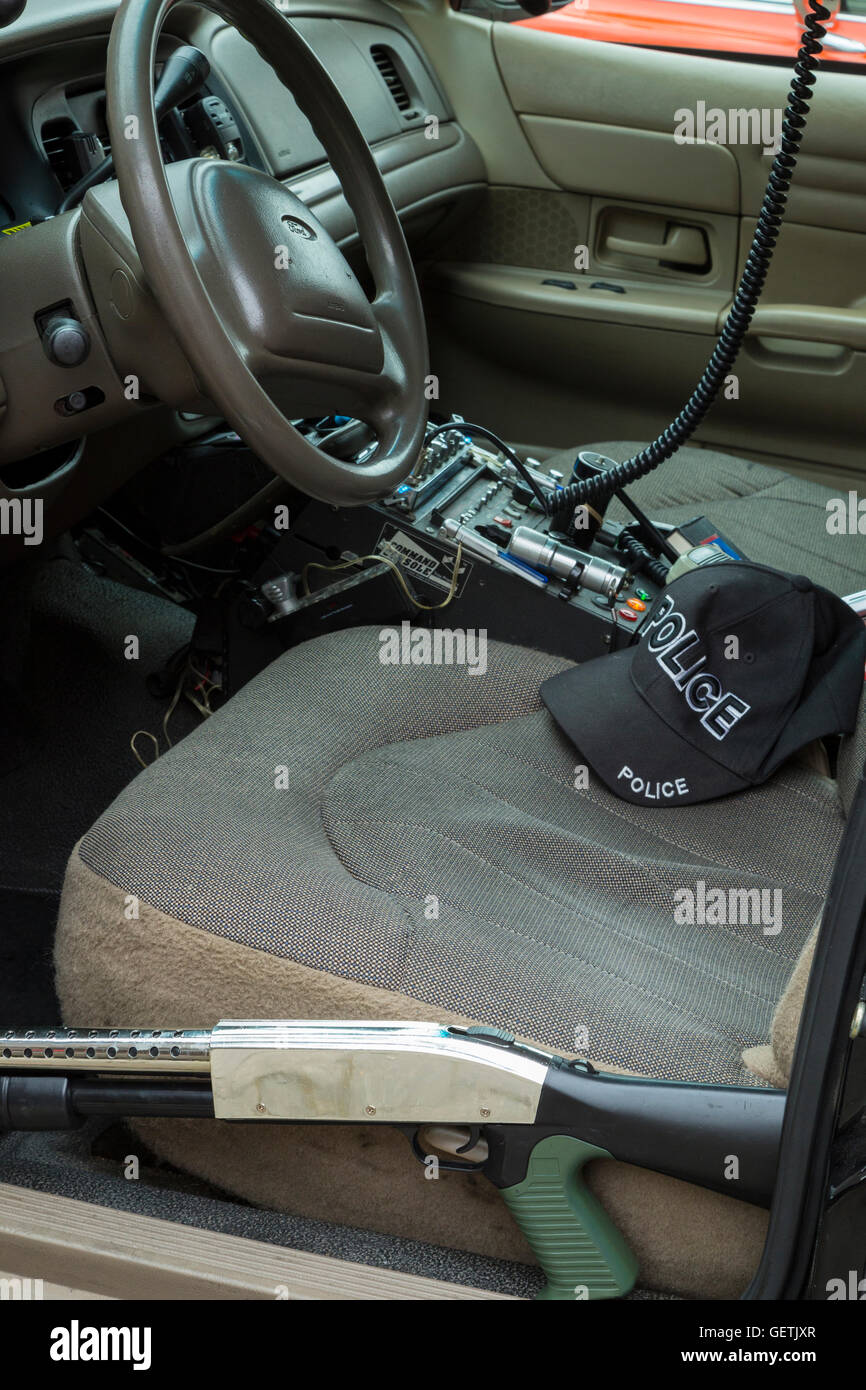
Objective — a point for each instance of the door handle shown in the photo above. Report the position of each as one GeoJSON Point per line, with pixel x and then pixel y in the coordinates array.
{"type": "Point", "coordinates": [812, 323]}
{"type": "Point", "coordinates": [681, 246]}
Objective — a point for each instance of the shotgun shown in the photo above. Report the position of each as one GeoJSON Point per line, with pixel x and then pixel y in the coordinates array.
{"type": "Point", "coordinates": [468, 1099]}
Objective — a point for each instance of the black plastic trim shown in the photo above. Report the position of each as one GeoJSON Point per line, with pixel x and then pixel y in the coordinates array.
{"type": "Point", "coordinates": [691, 1132]}
{"type": "Point", "coordinates": [818, 1074]}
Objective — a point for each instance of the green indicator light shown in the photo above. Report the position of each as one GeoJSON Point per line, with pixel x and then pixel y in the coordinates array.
{"type": "Point", "coordinates": [642, 593]}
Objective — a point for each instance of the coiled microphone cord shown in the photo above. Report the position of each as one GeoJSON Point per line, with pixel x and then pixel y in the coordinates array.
{"type": "Point", "coordinates": [601, 486]}
{"type": "Point", "coordinates": [641, 560]}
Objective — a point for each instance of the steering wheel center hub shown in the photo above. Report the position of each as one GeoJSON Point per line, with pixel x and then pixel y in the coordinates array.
{"type": "Point", "coordinates": [276, 271]}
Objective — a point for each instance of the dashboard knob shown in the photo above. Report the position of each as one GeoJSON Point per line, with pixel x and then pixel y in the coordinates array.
{"type": "Point", "coordinates": [66, 342]}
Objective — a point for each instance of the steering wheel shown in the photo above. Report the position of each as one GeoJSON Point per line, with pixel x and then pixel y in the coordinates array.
{"type": "Point", "coordinates": [254, 288]}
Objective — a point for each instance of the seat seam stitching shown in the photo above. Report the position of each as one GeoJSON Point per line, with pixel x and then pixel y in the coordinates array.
{"type": "Point", "coordinates": [582, 960]}
{"type": "Point", "coordinates": [621, 815]}
{"type": "Point", "coordinates": [567, 907]}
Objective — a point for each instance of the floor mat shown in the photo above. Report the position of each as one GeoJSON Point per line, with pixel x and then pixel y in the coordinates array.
{"type": "Point", "coordinates": [72, 699]}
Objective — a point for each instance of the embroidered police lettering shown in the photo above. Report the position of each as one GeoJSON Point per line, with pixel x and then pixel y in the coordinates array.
{"type": "Point", "coordinates": [653, 791]}
{"type": "Point", "coordinates": [673, 646]}
{"type": "Point", "coordinates": [671, 658]}
{"type": "Point", "coordinates": [727, 712]}
{"type": "Point", "coordinates": [703, 692]}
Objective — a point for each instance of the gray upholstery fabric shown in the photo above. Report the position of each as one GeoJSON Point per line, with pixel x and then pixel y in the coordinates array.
{"type": "Point", "coordinates": [409, 783]}
{"type": "Point", "coordinates": [852, 758]}
{"type": "Point", "coordinates": [776, 518]}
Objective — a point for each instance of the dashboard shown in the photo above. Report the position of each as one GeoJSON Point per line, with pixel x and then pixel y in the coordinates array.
{"type": "Point", "coordinates": [53, 131]}
{"type": "Point", "coordinates": [68, 135]}
{"type": "Point", "coordinates": [52, 109]}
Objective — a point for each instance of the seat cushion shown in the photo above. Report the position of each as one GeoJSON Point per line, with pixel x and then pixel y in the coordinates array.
{"type": "Point", "coordinates": [347, 839]}
{"type": "Point", "coordinates": [549, 910]}
{"type": "Point", "coordinates": [464, 869]}
{"type": "Point", "coordinates": [355, 840]}
{"type": "Point", "coordinates": [777, 518]}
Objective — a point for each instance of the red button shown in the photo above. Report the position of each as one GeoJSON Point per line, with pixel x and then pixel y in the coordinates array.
{"type": "Point", "coordinates": [628, 614]}
{"type": "Point", "coordinates": [502, 520]}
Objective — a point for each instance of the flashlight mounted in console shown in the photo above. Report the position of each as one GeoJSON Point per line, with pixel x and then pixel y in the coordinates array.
{"type": "Point", "coordinates": [574, 567]}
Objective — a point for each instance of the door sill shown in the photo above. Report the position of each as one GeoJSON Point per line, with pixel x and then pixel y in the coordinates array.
{"type": "Point", "coordinates": [77, 1246]}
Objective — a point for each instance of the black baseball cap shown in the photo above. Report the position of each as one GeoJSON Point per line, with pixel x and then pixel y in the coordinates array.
{"type": "Point", "coordinates": [738, 665]}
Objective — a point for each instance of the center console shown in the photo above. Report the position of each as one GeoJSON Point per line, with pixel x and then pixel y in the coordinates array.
{"type": "Point", "coordinates": [470, 541]}
{"type": "Point", "coordinates": [464, 543]}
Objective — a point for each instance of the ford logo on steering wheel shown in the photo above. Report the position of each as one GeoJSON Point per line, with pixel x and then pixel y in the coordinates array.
{"type": "Point", "coordinates": [299, 228]}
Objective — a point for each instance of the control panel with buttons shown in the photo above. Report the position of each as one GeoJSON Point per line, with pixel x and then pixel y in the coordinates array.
{"type": "Point", "coordinates": [515, 579]}
{"type": "Point", "coordinates": [476, 549]}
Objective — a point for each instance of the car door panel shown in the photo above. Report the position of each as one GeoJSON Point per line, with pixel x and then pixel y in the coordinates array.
{"type": "Point", "coordinates": [588, 157]}
{"type": "Point", "coordinates": [599, 120]}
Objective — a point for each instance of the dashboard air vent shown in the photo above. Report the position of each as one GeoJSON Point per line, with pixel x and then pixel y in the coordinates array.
{"type": "Point", "coordinates": [54, 136]}
{"type": "Point", "coordinates": [384, 60]}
